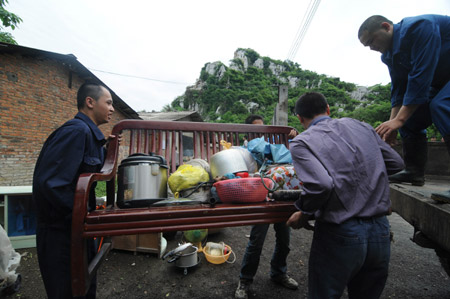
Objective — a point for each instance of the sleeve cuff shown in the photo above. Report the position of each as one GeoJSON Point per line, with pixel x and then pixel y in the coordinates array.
{"type": "Point", "coordinates": [297, 204]}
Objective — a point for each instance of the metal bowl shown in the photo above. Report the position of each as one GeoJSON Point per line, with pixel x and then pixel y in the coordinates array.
{"type": "Point", "coordinates": [227, 161]}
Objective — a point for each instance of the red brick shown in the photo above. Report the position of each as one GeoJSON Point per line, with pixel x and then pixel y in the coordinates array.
{"type": "Point", "coordinates": [30, 109]}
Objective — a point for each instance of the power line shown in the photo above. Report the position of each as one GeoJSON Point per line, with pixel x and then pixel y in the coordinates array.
{"type": "Point", "coordinates": [299, 30]}
{"type": "Point", "coordinates": [312, 8]}
{"type": "Point", "coordinates": [234, 86]}
{"type": "Point", "coordinates": [139, 77]}
{"type": "Point", "coordinates": [303, 28]}
{"type": "Point", "coordinates": [173, 82]}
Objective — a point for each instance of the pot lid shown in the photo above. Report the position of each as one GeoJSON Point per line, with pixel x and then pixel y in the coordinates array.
{"type": "Point", "coordinates": [177, 250]}
{"type": "Point", "coordinates": [144, 158]}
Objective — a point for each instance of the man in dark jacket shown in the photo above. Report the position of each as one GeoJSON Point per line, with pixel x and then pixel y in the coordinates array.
{"type": "Point", "coordinates": [417, 53]}
{"type": "Point", "coordinates": [74, 148]}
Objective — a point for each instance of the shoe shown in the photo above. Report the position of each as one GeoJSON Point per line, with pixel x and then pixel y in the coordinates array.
{"type": "Point", "coordinates": [442, 197]}
{"type": "Point", "coordinates": [408, 176]}
{"type": "Point", "coordinates": [286, 281]}
{"type": "Point", "coordinates": [415, 153]}
{"type": "Point", "coordinates": [11, 289]}
{"type": "Point", "coordinates": [242, 289]}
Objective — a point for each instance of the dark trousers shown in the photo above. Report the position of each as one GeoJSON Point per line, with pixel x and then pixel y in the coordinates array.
{"type": "Point", "coordinates": [436, 111]}
{"type": "Point", "coordinates": [278, 265]}
{"type": "Point", "coordinates": [354, 254]}
{"type": "Point", "coordinates": [53, 249]}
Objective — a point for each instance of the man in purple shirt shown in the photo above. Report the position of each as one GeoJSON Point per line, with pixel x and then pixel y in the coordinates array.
{"type": "Point", "coordinates": [344, 166]}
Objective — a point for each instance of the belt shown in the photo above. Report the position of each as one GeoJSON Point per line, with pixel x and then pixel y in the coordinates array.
{"type": "Point", "coordinates": [370, 217]}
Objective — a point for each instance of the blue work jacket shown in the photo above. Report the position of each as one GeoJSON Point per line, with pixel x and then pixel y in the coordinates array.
{"type": "Point", "coordinates": [419, 58]}
{"type": "Point", "coordinates": [74, 148]}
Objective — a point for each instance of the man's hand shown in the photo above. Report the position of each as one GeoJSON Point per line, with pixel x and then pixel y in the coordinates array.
{"type": "Point", "coordinates": [399, 116]}
{"type": "Point", "coordinates": [292, 133]}
{"type": "Point", "coordinates": [388, 130]}
{"type": "Point", "coordinates": [391, 139]}
{"type": "Point", "coordinates": [111, 137]}
{"type": "Point", "coordinates": [299, 220]}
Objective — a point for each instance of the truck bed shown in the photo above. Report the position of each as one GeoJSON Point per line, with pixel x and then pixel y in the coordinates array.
{"type": "Point", "coordinates": [414, 204]}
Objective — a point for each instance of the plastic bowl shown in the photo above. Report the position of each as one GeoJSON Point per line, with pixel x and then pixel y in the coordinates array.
{"type": "Point", "coordinates": [243, 190]}
{"type": "Point", "coordinates": [218, 259]}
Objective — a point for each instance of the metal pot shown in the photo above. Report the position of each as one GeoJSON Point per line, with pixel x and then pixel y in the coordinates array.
{"type": "Point", "coordinates": [187, 258]}
{"type": "Point", "coordinates": [142, 180]}
{"type": "Point", "coordinates": [184, 256]}
{"type": "Point", "coordinates": [227, 161]}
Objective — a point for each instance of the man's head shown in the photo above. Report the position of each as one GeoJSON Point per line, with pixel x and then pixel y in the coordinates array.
{"type": "Point", "coordinates": [254, 120]}
{"type": "Point", "coordinates": [96, 102]}
{"type": "Point", "coordinates": [309, 106]}
{"type": "Point", "coordinates": [376, 33]}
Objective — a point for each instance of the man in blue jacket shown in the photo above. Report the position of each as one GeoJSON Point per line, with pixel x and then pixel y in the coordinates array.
{"type": "Point", "coordinates": [74, 148]}
{"type": "Point", "coordinates": [344, 166]}
{"type": "Point", "coordinates": [417, 53]}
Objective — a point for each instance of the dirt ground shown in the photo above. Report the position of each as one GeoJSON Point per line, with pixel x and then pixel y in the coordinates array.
{"type": "Point", "coordinates": [415, 272]}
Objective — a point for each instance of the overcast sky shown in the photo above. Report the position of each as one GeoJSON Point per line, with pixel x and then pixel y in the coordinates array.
{"type": "Point", "coordinates": [168, 42]}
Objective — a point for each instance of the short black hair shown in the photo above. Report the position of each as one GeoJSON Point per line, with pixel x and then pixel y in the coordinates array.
{"type": "Point", "coordinates": [251, 118]}
{"type": "Point", "coordinates": [372, 24]}
{"type": "Point", "coordinates": [311, 104]}
{"type": "Point", "coordinates": [89, 89]}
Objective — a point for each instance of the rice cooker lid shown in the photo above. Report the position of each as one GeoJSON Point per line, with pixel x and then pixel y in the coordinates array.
{"type": "Point", "coordinates": [140, 158]}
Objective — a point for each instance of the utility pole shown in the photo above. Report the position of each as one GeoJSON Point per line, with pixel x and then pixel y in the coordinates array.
{"type": "Point", "coordinates": [280, 117]}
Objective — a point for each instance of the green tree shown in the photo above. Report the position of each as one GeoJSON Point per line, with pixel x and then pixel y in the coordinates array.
{"type": "Point", "coordinates": [373, 114]}
{"type": "Point", "coordinates": [433, 133]}
{"type": "Point", "coordinates": [232, 96]}
{"type": "Point", "coordinates": [379, 93]}
{"type": "Point", "coordinates": [167, 108]}
{"type": "Point", "coordinates": [8, 20]}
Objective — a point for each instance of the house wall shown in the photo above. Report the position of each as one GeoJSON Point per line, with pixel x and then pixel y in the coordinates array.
{"type": "Point", "coordinates": [35, 99]}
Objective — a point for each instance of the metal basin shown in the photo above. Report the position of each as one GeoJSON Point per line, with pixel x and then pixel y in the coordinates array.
{"type": "Point", "coordinates": [227, 161]}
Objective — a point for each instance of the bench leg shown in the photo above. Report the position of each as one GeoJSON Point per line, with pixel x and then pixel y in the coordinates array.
{"type": "Point", "coordinates": [79, 266]}
{"type": "Point", "coordinates": [82, 271]}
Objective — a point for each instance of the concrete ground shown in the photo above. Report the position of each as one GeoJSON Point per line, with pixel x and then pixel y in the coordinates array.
{"type": "Point", "coordinates": [415, 272]}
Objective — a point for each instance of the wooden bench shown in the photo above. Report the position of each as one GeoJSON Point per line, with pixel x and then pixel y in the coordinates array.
{"type": "Point", "coordinates": [163, 138]}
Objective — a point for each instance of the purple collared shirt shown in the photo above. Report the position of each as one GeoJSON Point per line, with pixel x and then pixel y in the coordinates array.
{"type": "Point", "coordinates": [344, 167]}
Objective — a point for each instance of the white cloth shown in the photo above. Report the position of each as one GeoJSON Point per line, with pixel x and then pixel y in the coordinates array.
{"type": "Point", "coordinates": [9, 259]}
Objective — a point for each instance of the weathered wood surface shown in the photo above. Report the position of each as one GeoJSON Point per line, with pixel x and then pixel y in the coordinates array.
{"type": "Point", "coordinates": [414, 204]}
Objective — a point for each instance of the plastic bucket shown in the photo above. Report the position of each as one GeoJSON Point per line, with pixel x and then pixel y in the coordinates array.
{"type": "Point", "coordinates": [219, 259]}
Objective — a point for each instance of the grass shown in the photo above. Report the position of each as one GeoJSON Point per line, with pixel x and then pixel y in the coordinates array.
{"type": "Point", "coordinates": [100, 190]}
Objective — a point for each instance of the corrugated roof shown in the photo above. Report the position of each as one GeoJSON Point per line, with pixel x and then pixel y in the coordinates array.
{"type": "Point", "coordinates": [173, 116]}
{"type": "Point", "coordinates": [74, 65]}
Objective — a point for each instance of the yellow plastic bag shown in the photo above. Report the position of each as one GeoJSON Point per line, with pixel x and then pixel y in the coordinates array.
{"type": "Point", "coordinates": [187, 176]}
{"type": "Point", "coordinates": [226, 145]}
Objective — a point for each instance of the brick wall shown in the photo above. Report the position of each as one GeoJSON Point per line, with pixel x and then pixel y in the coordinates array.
{"type": "Point", "coordinates": [35, 99]}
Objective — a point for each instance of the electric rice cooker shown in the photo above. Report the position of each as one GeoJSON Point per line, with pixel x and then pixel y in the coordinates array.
{"type": "Point", "coordinates": [142, 180]}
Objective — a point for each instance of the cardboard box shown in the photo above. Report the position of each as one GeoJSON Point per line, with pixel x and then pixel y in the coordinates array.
{"type": "Point", "coordinates": [150, 243]}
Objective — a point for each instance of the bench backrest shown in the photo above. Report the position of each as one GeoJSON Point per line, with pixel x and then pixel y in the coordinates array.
{"type": "Point", "coordinates": [180, 141]}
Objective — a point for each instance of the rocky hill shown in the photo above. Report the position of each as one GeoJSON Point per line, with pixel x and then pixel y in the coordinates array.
{"type": "Point", "coordinates": [249, 84]}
